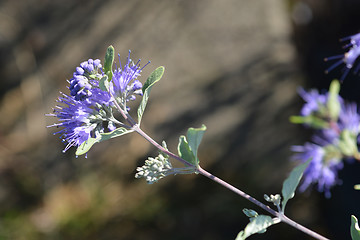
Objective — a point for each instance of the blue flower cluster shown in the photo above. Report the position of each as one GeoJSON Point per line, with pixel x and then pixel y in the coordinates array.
{"type": "Point", "coordinates": [349, 57]}
{"type": "Point", "coordinates": [334, 141]}
{"type": "Point", "coordinates": [88, 110]}
{"type": "Point", "coordinates": [84, 78]}
{"type": "Point", "coordinates": [124, 82]}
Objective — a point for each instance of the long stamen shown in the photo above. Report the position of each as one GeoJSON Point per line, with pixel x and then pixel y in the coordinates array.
{"type": "Point", "coordinates": [347, 70]}
{"type": "Point", "coordinates": [333, 57]}
{"type": "Point", "coordinates": [145, 65]}
{"type": "Point", "coordinates": [333, 66]}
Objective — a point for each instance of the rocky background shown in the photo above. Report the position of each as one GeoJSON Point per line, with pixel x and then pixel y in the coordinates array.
{"type": "Point", "coordinates": [233, 65]}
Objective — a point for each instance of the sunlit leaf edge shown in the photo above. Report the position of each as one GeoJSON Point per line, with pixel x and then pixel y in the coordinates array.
{"type": "Point", "coordinates": [154, 77]}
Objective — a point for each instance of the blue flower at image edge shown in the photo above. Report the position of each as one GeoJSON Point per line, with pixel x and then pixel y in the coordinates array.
{"type": "Point", "coordinates": [348, 58]}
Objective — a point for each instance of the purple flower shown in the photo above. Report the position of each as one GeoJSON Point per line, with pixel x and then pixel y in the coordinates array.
{"type": "Point", "coordinates": [81, 120]}
{"type": "Point", "coordinates": [314, 101]}
{"type": "Point", "coordinates": [332, 144]}
{"type": "Point", "coordinates": [84, 78]}
{"type": "Point", "coordinates": [88, 110]}
{"type": "Point", "coordinates": [349, 118]}
{"type": "Point", "coordinates": [349, 57]}
{"type": "Point", "coordinates": [323, 168]}
{"type": "Point", "coordinates": [124, 83]}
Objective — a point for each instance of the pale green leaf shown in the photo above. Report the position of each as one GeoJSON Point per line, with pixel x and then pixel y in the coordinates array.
{"type": "Point", "coordinates": [348, 143]}
{"type": "Point", "coordinates": [154, 77]}
{"type": "Point", "coordinates": [108, 62]}
{"type": "Point", "coordinates": [333, 103]}
{"type": "Point", "coordinates": [104, 84]}
{"type": "Point", "coordinates": [310, 120]}
{"type": "Point", "coordinates": [185, 151]}
{"type": "Point", "coordinates": [354, 228]}
{"type": "Point", "coordinates": [357, 187]}
{"type": "Point", "coordinates": [250, 213]}
{"type": "Point", "coordinates": [85, 146]}
{"type": "Point", "coordinates": [291, 183]}
{"type": "Point", "coordinates": [116, 133]}
{"type": "Point", "coordinates": [258, 224]}
{"type": "Point", "coordinates": [194, 137]}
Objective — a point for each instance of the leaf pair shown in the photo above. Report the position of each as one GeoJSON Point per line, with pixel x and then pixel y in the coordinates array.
{"type": "Point", "coordinates": [188, 146]}
{"type": "Point", "coordinates": [259, 223]}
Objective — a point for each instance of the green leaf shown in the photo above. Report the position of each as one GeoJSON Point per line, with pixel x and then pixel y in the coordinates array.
{"type": "Point", "coordinates": [109, 59]}
{"type": "Point", "coordinates": [85, 146]}
{"type": "Point", "coordinates": [354, 228]}
{"type": "Point", "coordinates": [116, 133]}
{"type": "Point", "coordinates": [154, 77]}
{"type": "Point", "coordinates": [104, 84]}
{"type": "Point", "coordinates": [185, 151]}
{"type": "Point", "coordinates": [291, 183]}
{"type": "Point", "coordinates": [311, 120]}
{"type": "Point", "coordinates": [258, 224]}
{"type": "Point", "coordinates": [348, 143]}
{"type": "Point", "coordinates": [194, 137]}
{"type": "Point", "coordinates": [333, 100]}
{"type": "Point", "coordinates": [357, 187]}
{"type": "Point", "coordinates": [250, 213]}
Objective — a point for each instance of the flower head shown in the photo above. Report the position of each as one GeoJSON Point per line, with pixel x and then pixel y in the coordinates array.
{"type": "Point", "coordinates": [155, 169]}
{"type": "Point", "coordinates": [84, 78]}
{"type": "Point", "coordinates": [314, 101]}
{"type": "Point", "coordinates": [124, 80]}
{"type": "Point", "coordinates": [87, 112]}
{"type": "Point", "coordinates": [323, 167]}
{"type": "Point", "coordinates": [80, 120]}
{"type": "Point", "coordinates": [333, 142]}
{"type": "Point", "coordinates": [349, 118]}
{"type": "Point", "coordinates": [349, 58]}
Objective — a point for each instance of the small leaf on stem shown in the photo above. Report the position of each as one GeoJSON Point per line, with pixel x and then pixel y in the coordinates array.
{"type": "Point", "coordinates": [257, 224]}
{"type": "Point", "coordinates": [104, 84]}
{"type": "Point", "coordinates": [333, 103]}
{"type": "Point", "coordinates": [310, 120]}
{"type": "Point", "coordinates": [154, 77]}
{"type": "Point", "coordinates": [185, 151]}
{"type": "Point", "coordinates": [354, 228]}
{"type": "Point", "coordinates": [108, 62]}
{"type": "Point", "coordinates": [250, 213]}
{"type": "Point", "coordinates": [291, 183]}
{"type": "Point", "coordinates": [194, 137]}
{"type": "Point", "coordinates": [85, 146]}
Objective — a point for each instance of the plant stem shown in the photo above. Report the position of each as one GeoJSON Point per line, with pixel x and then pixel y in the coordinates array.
{"type": "Point", "coordinates": [281, 216]}
{"type": "Point", "coordinates": [137, 129]}
{"type": "Point", "coordinates": [238, 191]}
{"type": "Point", "coordinates": [203, 172]}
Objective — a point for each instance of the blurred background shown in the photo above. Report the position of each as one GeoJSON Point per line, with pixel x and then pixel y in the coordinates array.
{"type": "Point", "coordinates": [233, 65]}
